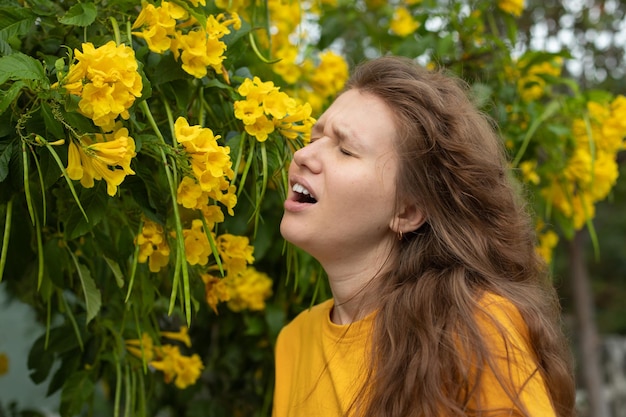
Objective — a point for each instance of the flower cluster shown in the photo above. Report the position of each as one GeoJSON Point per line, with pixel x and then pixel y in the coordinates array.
{"type": "Point", "coordinates": [592, 170]}
{"type": "Point", "coordinates": [153, 246]}
{"type": "Point", "coordinates": [101, 156]}
{"type": "Point", "coordinates": [247, 290]}
{"type": "Point", "coordinates": [266, 108]}
{"type": "Point", "coordinates": [170, 27]}
{"type": "Point", "coordinates": [106, 80]}
{"type": "Point", "coordinates": [547, 241]}
{"type": "Point", "coordinates": [183, 370]}
{"type": "Point", "coordinates": [211, 170]}
{"type": "Point", "coordinates": [243, 287]}
{"type": "Point", "coordinates": [530, 77]}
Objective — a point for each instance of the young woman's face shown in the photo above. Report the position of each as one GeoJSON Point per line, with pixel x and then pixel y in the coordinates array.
{"type": "Point", "coordinates": [342, 185]}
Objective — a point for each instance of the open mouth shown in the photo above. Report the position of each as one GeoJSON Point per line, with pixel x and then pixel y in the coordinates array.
{"type": "Point", "coordinates": [302, 194]}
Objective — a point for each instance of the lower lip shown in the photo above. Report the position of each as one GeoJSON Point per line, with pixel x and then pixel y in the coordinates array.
{"type": "Point", "coordinates": [295, 206]}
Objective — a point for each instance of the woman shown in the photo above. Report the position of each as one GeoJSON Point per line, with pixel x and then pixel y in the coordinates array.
{"type": "Point", "coordinates": [440, 305]}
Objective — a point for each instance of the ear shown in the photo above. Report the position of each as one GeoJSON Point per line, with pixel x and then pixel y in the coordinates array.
{"type": "Point", "coordinates": [408, 219]}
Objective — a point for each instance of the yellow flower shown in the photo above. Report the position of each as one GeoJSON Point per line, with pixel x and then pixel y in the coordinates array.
{"type": "Point", "coordinates": [200, 51]}
{"type": "Point", "coordinates": [142, 348]}
{"type": "Point", "coordinates": [182, 336]}
{"type": "Point", "coordinates": [235, 252]}
{"type": "Point", "coordinates": [107, 81]}
{"type": "Point", "coordinates": [277, 104]}
{"type": "Point", "coordinates": [153, 246]}
{"type": "Point", "coordinates": [210, 164]}
{"type": "Point", "coordinates": [530, 83]}
{"type": "Point", "coordinates": [331, 74]}
{"type": "Point", "coordinates": [229, 199]}
{"type": "Point", "coordinates": [402, 23]}
{"type": "Point", "coordinates": [213, 214]}
{"type": "Point", "coordinates": [248, 111]}
{"type": "Point", "coordinates": [108, 157]}
{"type": "Point", "coordinates": [287, 67]}
{"type": "Point", "coordinates": [215, 291]}
{"type": "Point", "coordinates": [248, 290]}
{"type": "Point", "coordinates": [197, 246]}
{"type": "Point", "coordinates": [529, 172]}
{"type": "Point", "coordinates": [513, 7]}
{"type": "Point", "coordinates": [261, 128]}
{"type": "Point", "coordinates": [547, 242]}
{"type": "Point", "coordinates": [190, 194]}
{"type": "Point", "coordinates": [183, 370]}
{"type": "Point", "coordinates": [158, 24]}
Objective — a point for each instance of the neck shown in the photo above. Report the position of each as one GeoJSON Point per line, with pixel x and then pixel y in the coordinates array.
{"type": "Point", "coordinates": [354, 289]}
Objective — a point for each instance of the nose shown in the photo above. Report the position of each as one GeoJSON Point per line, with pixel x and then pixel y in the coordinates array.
{"type": "Point", "coordinates": [309, 157]}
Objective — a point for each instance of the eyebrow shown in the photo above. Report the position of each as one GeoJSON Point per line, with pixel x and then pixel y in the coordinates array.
{"type": "Point", "coordinates": [343, 135]}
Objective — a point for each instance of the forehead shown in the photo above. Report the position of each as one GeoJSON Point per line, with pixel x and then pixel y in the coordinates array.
{"type": "Point", "coordinates": [356, 114]}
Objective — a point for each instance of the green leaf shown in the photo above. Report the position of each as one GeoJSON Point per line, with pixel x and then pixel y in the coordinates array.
{"type": "Point", "coordinates": [40, 361]}
{"type": "Point", "coordinates": [19, 66]}
{"type": "Point", "coordinates": [10, 95]}
{"type": "Point", "coordinates": [94, 201]}
{"type": "Point", "coordinates": [81, 14]}
{"type": "Point", "coordinates": [14, 22]}
{"type": "Point", "coordinates": [93, 298]}
{"type": "Point", "coordinates": [77, 390]}
{"type": "Point", "coordinates": [117, 271]}
{"type": "Point", "coordinates": [5, 156]}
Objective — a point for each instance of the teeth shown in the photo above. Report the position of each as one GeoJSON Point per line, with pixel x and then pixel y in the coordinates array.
{"type": "Point", "coordinates": [299, 188]}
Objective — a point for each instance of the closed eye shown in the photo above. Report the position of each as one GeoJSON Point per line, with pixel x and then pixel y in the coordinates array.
{"type": "Point", "coordinates": [345, 152]}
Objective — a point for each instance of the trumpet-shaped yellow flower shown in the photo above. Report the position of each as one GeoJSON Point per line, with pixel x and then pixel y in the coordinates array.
{"type": "Point", "coordinates": [261, 128]}
{"type": "Point", "coordinates": [153, 246]}
{"type": "Point", "coordinates": [182, 335]}
{"type": "Point", "coordinates": [107, 157]}
{"type": "Point", "coordinates": [190, 194]}
{"type": "Point", "coordinates": [248, 111]}
{"type": "Point", "coordinates": [183, 370]}
{"type": "Point", "coordinates": [265, 108]}
{"type": "Point", "coordinates": [142, 348]}
{"type": "Point", "coordinates": [197, 246]}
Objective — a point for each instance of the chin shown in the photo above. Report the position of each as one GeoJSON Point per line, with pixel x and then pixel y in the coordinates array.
{"type": "Point", "coordinates": [292, 235]}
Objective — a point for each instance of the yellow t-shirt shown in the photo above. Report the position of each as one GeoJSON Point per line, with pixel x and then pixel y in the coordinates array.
{"type": "Point", "coordinates": [320, 365]}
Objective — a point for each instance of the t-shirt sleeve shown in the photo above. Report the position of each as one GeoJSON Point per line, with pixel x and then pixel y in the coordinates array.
{"type": "Point", "coordinates": [506, 335]}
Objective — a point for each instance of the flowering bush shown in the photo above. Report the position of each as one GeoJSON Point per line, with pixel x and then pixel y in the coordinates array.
{"type": "Point", "coordinates": [143, 158]}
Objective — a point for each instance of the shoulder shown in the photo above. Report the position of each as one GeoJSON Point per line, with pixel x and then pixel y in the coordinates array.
{"type": "Point", "coordinates": [502, 325]}
{"type": "Point", "coordinates": [493, 307]}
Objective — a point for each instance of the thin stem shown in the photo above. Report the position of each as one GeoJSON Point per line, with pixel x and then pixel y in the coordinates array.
{"type": "Point", "coordinates": [5, 237]}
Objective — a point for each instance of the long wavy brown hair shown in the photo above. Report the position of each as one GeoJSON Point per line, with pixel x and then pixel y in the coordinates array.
{"type": "Point", "coordinates": [478, 238]}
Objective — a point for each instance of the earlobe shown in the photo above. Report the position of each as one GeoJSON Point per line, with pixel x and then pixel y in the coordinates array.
{"type": "Point", "coordinates": [409, 219]}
